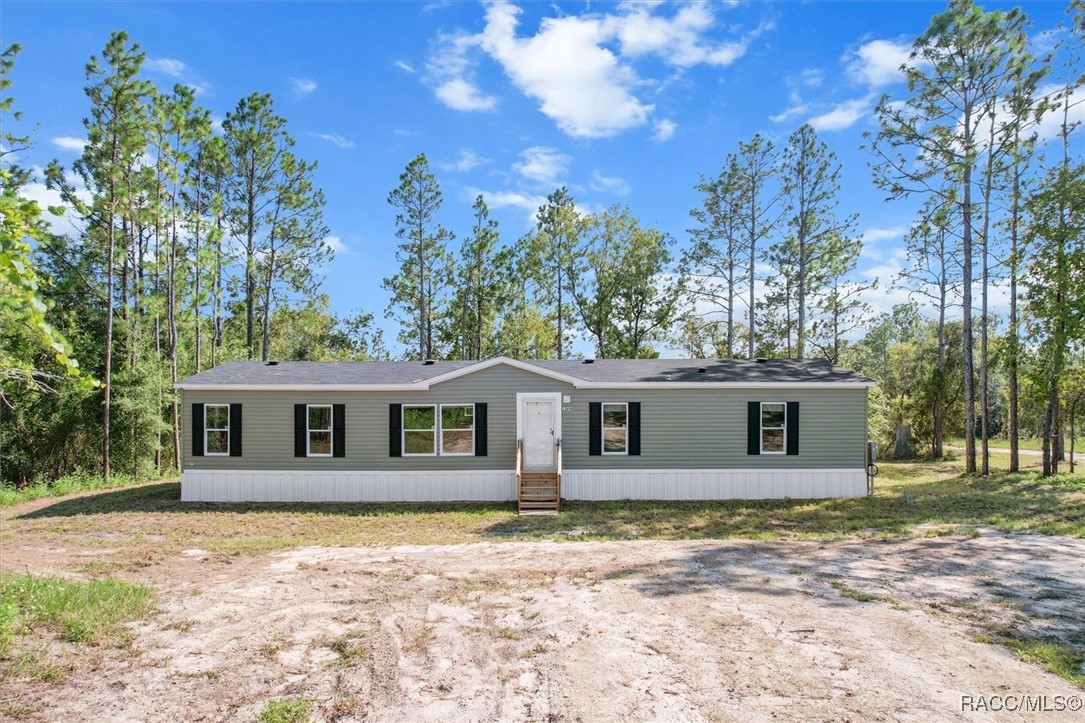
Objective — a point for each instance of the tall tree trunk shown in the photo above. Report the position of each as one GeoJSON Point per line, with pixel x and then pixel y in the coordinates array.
{"type": "Point", "coordinates": [1014, 345]}
{"type": "Point", "coordinates": [266, 324]}
{"type": "Point", "coordinates": [108, 372]}
{"type": "Point", "coordinates": [750, 350]}
{"type": "Point", "coordinates": [939, 390]}
{"type": "Point", "coordinates": [171, 309]}
{"type": "Point", "coordinates": [966, 304]}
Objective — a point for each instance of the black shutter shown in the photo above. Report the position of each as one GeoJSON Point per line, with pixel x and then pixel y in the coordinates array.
{"type": "Point", "coordinates": [753, 427]}
{"type": "Point", "coordinates": [395, 430]}
{"type": "Point", "coordinates": [792, 427]}
{"type": "Point", "coordinates": [339, 430]}
{"type": "Point", "coordinates": [235, 430]}
{"type": "Point", "coordinates": [595, 428]}
{"type": "Point", "coordinates": [301, 430]}
{"type": "Point", "coordinates": [633, 424]}
{"type": "Point", "coordinates": [481, 430]}
{"type": "Point", "coordinates": [197, 430]}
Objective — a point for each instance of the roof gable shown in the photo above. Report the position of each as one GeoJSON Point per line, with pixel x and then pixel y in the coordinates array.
{"type": "Point", "coordinates": [506, 361]}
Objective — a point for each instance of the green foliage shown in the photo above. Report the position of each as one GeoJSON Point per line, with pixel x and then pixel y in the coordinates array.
{"type": "Point", "coordinates": [418, 289]}
{"type": "Point", "coordinates": [484, 286]}
{"type": "Point", "coordinates": [66, 485]}
{"type": "Point", "coordinates": [24, 326]}
{"type": "Point", "coordinates": [620, 284]}
{"type": "Point", "coordinates": [90, 612]}
{"type": "Point", "coordinates": [286, 710]}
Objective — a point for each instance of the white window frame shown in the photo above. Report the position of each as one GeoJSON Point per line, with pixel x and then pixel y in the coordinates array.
{"type": "Point", "coordinates": [330, 430]}
{"type": "Point", "coordinates": [206, 448]}
{"type": "Point", "coordinates": [436, 429]}
{"type": "Point", "coordinates": [441, 431]}
{"type": "Point", "coordinates": [761, 428]}
{"type": "Point", "coordinates": [603, 427]}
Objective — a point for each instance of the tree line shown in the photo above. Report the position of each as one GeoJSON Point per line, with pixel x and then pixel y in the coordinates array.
{"type": "Point", "coordinates": [199, 245]}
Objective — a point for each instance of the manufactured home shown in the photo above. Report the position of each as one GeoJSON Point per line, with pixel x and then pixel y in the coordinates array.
{"type": "Point", "coordinates": [527, 431]}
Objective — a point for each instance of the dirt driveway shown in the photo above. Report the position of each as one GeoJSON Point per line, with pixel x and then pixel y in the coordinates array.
{"type": "Point", "coordinates": [558, 631]}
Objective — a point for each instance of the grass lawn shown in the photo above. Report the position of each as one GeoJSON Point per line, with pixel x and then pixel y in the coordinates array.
{"type": "Point", "coordinates": [1034, 444]}
{"type": "Point", "coordinates": [48, 622]}
{"type": "Point", "coordinates": [136, 525]}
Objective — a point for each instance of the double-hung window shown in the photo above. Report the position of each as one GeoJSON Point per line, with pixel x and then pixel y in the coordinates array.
{"type": "Point", "coordinates": [457, 429]}
{"type": "Point", "coordinates": [216, 430]}
{"type": "Point", "coordinates": [452, 425]}
{"type": "Point", "coordinates": [773, 427]}
{"type": "Point", "coordinates": [419, 429]}
{"type": "Point", "coordinates": [615, 428]}
{"type": "Point", "coordinates": [319, 418]}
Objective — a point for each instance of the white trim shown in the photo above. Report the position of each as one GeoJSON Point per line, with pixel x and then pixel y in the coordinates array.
{"type": "Point", "coordinates": [603, 429]}
{"type": "Point", "coordinates": [330, 430]}
{"type": "Point", "coordinates": [441, 431]}
{"type": "Point", "coordinates": [403, 431]}
{"type": "Point", "coordinates": [554, 398]}
{"type": "Point", "coordinates": [206, 453]}
{"type": "Point", "coordinates": [761, 430]}
{"type": "Point", "coordinates": [500, 485]}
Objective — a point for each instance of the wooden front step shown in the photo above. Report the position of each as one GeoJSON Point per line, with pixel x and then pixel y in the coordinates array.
{"type": "Point", "coordinates": [540, 492]}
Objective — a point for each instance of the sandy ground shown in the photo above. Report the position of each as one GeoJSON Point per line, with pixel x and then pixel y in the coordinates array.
{"type": "Point", "coordinates": [569, 631]}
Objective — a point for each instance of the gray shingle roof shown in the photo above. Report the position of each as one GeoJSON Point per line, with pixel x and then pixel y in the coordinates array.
{"type": "Point", "coordinates": [614, 371]}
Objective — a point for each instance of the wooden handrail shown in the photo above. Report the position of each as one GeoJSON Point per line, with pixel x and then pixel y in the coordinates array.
{"type": "Point", "coordinates": [519, 469]}
{"type": "Point", "coordinates": [558, 444]}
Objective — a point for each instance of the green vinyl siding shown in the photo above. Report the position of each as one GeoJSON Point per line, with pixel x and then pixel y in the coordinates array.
{"type": "Point", "coordinates": [687, 428]}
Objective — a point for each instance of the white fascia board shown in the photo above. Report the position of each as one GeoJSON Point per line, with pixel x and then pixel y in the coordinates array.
{"type": "Point", "coordinates": [302, 387]}
{"type": "Point", "coordinates": [514, 363]}
{"type": "Point", "coordinates": [578, 384]}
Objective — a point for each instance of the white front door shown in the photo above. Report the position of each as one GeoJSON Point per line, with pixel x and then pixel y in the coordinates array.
{"type": "Point", "coordinates": [537, 420]}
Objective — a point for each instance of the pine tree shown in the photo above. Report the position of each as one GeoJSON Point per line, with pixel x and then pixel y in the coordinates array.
{"type": "Point", "coordinates": [419, 288]}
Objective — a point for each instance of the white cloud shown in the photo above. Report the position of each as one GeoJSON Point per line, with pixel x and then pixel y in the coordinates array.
{"type": "Point", "coordinates": [543, 165]}
{"type": "Point", "coordinates": [873, 235]}
{"type": "Point", "coordinates": [664, 131]}
{"type": "Point", "coordinates": [70, 143]}
{"type": "Point", "coordinates": [877, 63]}
{"type": "Point", "coordinates": [579, 84]}
{"type": "Point", "coordinates": [609, 184]}
{"type": "Point", "coordinates": [449, 72]}
{"type": "Point", "coordinates": [335, 139]}
{"type": "Point", "coordinates": [336, 245]}
{"type": "Point", "coordinates": [67, 224]}
{"type": "Point", "coordinates": [167, 66]}
{"type": "Point", "coordinates": [842, 115]}
{"type": "Point", "coordinates": [527, 202]}
{"type": "Point", "coordinates": [303, 86]}
{"type": "Point", "coordinates": [405, 67]}
{"type": "Point", "coordinates": [468, 160]}
{"type": "Point", "coordinates": [1051, 124]}
{"type": "Point", "coordinates": [199, 88]}
{"type": "Point", "coordinates": [792, 112]}
{"type": "Point", "coordinates": [579, 67]}
{"type": "Point", "coordinates": [459, 94]}
{"type": "Point", "coordinates": [811, 77]}
{"type": "Point", "coordinates": [216, 125]}
{"type": "Point", "coordinates": [679, 39]}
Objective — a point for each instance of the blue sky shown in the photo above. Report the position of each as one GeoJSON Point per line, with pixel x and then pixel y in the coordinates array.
{"type": "Point", "coordinates": [624, 103]}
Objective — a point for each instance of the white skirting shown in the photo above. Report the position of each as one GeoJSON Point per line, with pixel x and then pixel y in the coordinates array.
{"type": "Point", "coordinates": [491, 486]}
{"type": "Point", "coordinates": [269, 486]}
{"type": "Point", "coordinates": [712, 484]}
